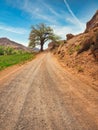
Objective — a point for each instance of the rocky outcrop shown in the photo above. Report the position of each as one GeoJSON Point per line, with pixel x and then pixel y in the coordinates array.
{"type": "Point", "coordinates": [52, 45]}
{"type": "Point", "coordinates": [92, 23]}
{"type": "Point", "coordinates": [94, 47]}
{"type": "Point", "coordinates": [69, 36]}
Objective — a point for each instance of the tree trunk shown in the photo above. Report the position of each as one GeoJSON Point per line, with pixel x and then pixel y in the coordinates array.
{"type": "Point", "coordinates": [41, 49]}
{"type": "Point", "coordinates": [42, 43]}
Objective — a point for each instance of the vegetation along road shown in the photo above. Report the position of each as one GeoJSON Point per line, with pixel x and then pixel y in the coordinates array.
{"type": "Point", "coordinates": [42, 95]}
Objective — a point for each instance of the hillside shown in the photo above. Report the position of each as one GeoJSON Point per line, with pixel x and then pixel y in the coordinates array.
{"type": "Point", "coordinates": [7, 42]}
{"type": "Point", "coordinates": [80, 53]}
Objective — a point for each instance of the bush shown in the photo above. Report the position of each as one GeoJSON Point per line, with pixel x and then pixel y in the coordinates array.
{"type": "Point", "coordinates": [71, 51]}
{"type": "Point", "coordinates": [77, 48]}
{"type": "Point", "coordinates": [10, 51]}
{"type": "Point", "coordinates": [2, 50]}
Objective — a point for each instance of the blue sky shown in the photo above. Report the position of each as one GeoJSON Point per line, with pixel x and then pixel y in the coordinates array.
{"type": "Point", "coordinates": [64, 16]}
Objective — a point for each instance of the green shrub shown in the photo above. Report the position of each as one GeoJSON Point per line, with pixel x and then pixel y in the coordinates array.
{"type": "Point", "coordinates": [71, 51]}
{"type": "Point", "coordinates": [9, 51]}
{"type": "Point", "coordinates": [2, 50]}
{"type": "Point", "coordinates": [77, 48]}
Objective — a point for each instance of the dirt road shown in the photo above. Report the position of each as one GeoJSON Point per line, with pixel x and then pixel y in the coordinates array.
{"type": "Point", "coordinates": [41, 95]}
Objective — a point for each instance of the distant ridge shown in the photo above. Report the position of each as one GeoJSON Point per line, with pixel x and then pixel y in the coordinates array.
{"type": "Point", "coordinates": [7, 42]}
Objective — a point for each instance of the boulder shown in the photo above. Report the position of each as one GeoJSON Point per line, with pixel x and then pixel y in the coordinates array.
{"type": "Point", "coordinates": [69, 36]}
{"type": "Point", "coordinates": [52, 45]}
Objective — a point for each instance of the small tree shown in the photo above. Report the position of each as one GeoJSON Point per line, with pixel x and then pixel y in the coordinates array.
{"type": "Point", "coordinates": [40, 34]}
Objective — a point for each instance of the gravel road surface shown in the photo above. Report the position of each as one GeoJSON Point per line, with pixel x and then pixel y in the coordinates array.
{"type": "Point", "coordinates": [42, 95]}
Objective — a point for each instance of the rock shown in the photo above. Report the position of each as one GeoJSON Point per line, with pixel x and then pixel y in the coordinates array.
{"type": "Point", "coordinates": [92, 23]}
{"type": "Point", "coordinates": [94, 47]}
{"type": "Point", "coordinates": [85, 44]}
{"type": "Point", "coordinates": [69, 36]}
{"type": "Point", "coordinates": [52, 45]}
{"type": "Point", "coordinates": [95, 54]}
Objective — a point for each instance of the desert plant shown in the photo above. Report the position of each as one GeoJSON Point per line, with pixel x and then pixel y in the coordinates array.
{"type": "Point", "coordinates": [71, 51]}
{"type": "Point", "coordinates": [77, 47]}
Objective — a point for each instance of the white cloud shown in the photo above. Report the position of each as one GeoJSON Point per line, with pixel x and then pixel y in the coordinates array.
{"type": "Point", "coordinates": [51, 10]}
{"type": "Point", "coordinates": [41, 13]}
{"type": "Point", "coordinates": [38, 12]}
{"type": "Point", "coordinates": [12, 29]}
{"type": "Point", "coordinates": [75, 20]}
{"type": "Point", "coordinates": [63, 30]}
